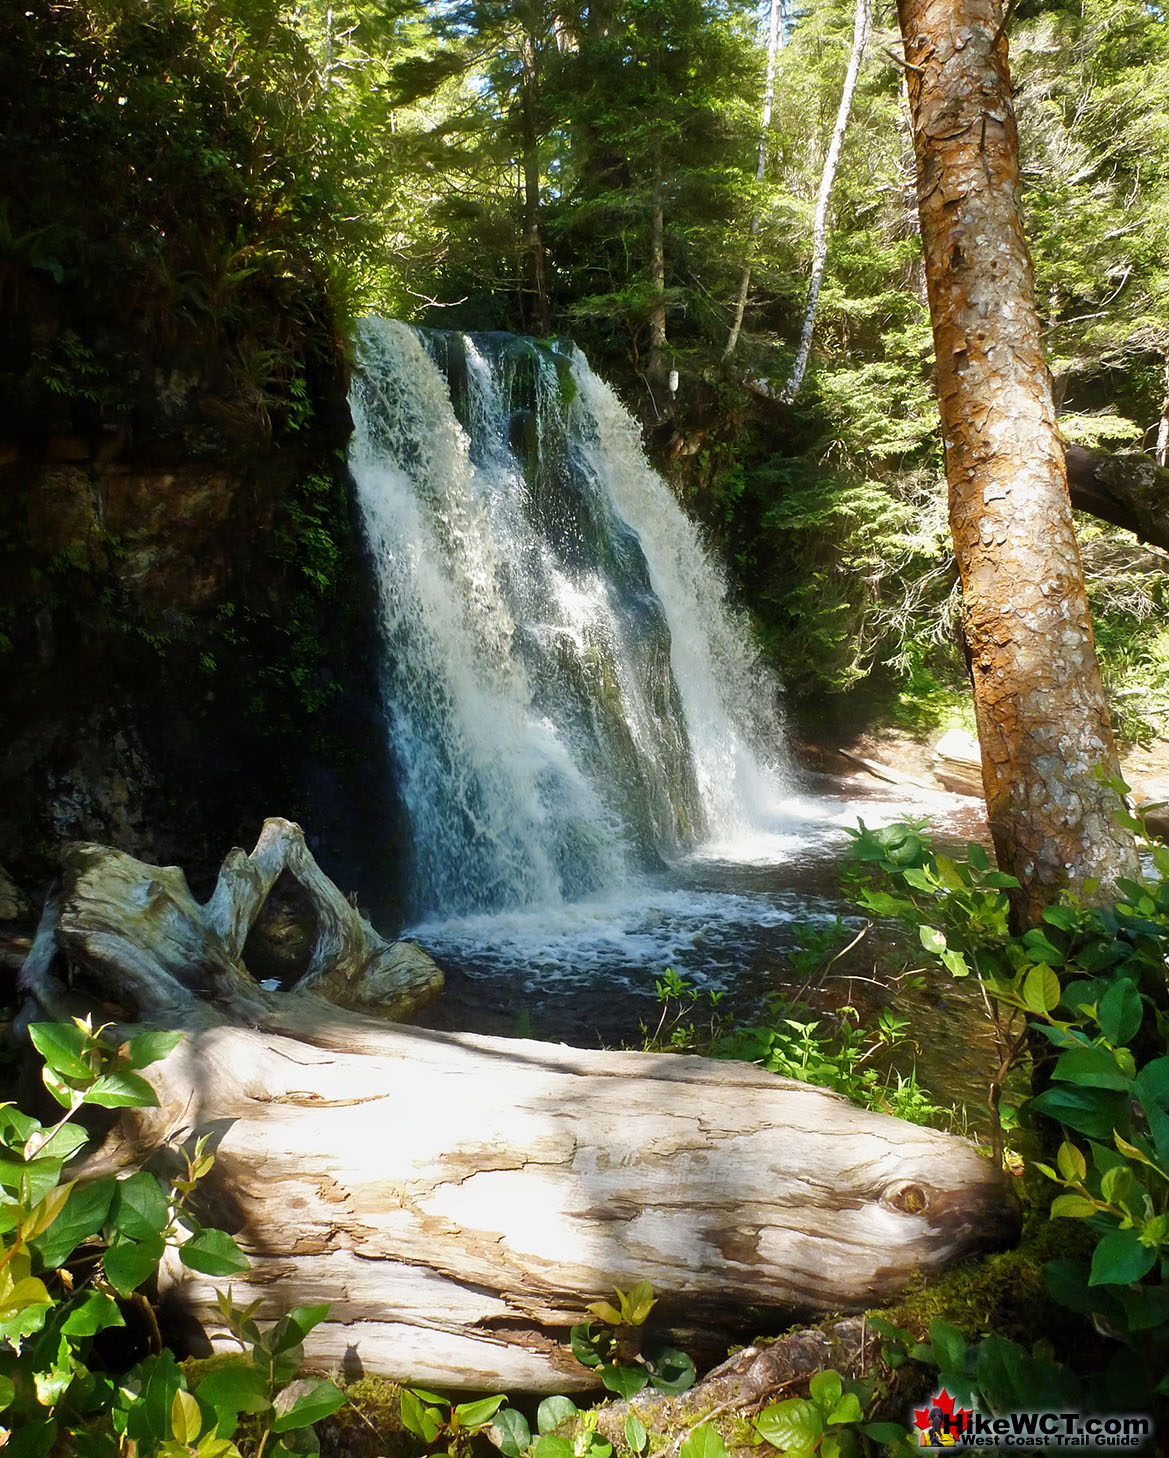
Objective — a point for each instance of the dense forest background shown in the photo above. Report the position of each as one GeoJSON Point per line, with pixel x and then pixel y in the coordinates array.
{"type": "Point", "coordinates": [198, 199]}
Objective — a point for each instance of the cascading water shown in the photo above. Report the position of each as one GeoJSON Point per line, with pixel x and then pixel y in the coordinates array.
{"type": "Point", "coordinates": [569, 695]}
{"type": "Point", "coordinates": [586, 745]}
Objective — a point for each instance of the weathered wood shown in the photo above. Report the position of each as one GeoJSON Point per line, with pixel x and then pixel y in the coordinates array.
{"type": "Point", "coordinates": [458, 1200]}
{"type": "Point", "coordinates": [135, 934]}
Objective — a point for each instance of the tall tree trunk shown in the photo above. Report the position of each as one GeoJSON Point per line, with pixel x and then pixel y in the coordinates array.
{"type": "Point", "coordinates": [540, 319]}
{"type": "Point", "coordinates": [860, 38]}
{"type": "Point", "coordinates": [1043, 722]}
{"type": "Point", "coordinates": [657, 280]}
{"type": "Point", "coordinates": [1163, 428]}
{"type": "Point", "coordinates": [775, 43]}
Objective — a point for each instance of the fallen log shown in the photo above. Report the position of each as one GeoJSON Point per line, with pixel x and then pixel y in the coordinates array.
{"type": "Point", "coordinates": [459, 1200]}
{"type": "Point", "coordinates": [134, 934]}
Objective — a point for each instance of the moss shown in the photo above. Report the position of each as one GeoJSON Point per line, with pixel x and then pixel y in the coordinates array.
{"type": "Point", "coordinates": [370, 1423]}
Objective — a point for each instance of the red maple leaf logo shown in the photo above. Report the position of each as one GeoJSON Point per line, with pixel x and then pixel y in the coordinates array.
{"type": "Point", "coordinates": [957, 1422]}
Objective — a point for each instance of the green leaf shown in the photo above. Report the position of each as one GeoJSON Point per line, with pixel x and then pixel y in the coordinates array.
{"type": "Point", "coordinates": [1094, 1067]}
{"type": "Point", "coordinates": [84, 1214]}
{"type": "Point", "coordinates": [886, 1434]}
{"type": "Point", "coordinates": [606, 1312]}
{"type": "Point", "coordinates": [232, 1390]}
{"type": "Point", "coordinates": [584, 1345]}
{"type": "Point", "coordinates": [61, 1045]}
{"type": "Point", "coordinates": [147, 1048]}
{"type": "Point", "coordinates": [8, 1392]}
{"type": "Point", "coordinates": [949, 1346]}
{"type": "Point", "coordinates": [1072, 1164]}
{"type": "Point", "coordinates": [305, 1401]}
{"type": "Point", "coordinates": [548, 1445]}
{"type": "Point", "coordinates": [553, 1411]}
{"type": "Point", "coordinates": [139, 1209]}
{"type": "Point", "coordinates": [635, 1432]}
{"type": "Point", "coordinates": [64, 1143]}
{"type": "Point", "coordinates": [214, 1253]}
{"type": "Point", "coordinates": [479, 1413]}
{"type": "Point", "coordinates": [1117, 1184]}
{"type": "Point", "coordinates": [671, 1371]}
{"type": "Point", "coordinates": [955, 963]}
{"type": "Point", "coordinates": [704, 1442]}
{"type": "Point", "coordinates": [1151, 1085]}
{"type": "Point", "coordinates": [1041, 989]}
{"type": "Point", "coordinates": [1120, 1011]}
{"type": "Point", "coordinates": [130, 1262]}
{"type": "Point", "coordinates": [1120, 1259]}
{"type": "Point", "coordinates": [1091, 1111]}
{"type": "Point", "coordinates": [292, 1328]}
{"type": "Point", "coordinates": [122, 1091]}
{"type": "Point", "coordinates": [510, 1433]}
{"type": "Point", "coordinates": [1074, 1207]}
{"type": "Point", "coordinates": [1040, 948]}
{"type": "Point", "coordinates": [847, 1410]}
{"type": "Point", "coordinates": [796, 1423]}
{"type": "Point", "coordinates": [1067, 1284]}
{"type": "Point", "coordinates": [186, 1421]}
{"type": "Point", "coordinates": [624, 1379]}
{"type": "Point", "coordinates": [826, 1388]}
{"type": "Point", "coordinates": [156, 1380]}
{"type": "Point", "coordinates": [638, 1303]}
{"type": "Point", "coordinates": [932, 939]}
{"type": "Point", "coordinates": [93, 1313]}
{"type": "Point", "coordinates": [422, 1421]}
{"type": "Point", "coordinates": [1061, 916]}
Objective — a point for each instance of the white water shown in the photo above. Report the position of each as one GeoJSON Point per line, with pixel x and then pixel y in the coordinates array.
{"type": "Point", "coordinates": [568, 695]}
{"type": "Point", "coordinates": [589, 751]}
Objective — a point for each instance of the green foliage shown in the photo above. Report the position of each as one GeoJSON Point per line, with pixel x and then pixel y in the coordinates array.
{"type": "Point", "coordinates": [794, 1043]}
{"type": "Point", "coordinates": [75, 1255]}
{"type": "Point", "coordinates": [805, 1424]}
{"type": "Point", "coordinates": [512, 1434]}
{"type": "Point", "coordinates": [433, 1418]}
{"type": "Point", "coordinates": [611, 1344]}
{"type": "Point", "coordinates": [1088, 982]}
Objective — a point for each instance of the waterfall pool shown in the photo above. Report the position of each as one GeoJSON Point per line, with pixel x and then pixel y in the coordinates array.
{"type": "Point", "coordinates": [726, 918]}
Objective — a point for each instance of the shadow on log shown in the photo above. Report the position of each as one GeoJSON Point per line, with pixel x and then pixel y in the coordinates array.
{"type": "Point", "coordinates": [458, 1200]}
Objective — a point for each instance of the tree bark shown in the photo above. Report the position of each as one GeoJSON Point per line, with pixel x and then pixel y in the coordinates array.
{"type": "Point", "coordinates": [1128, 489]}
{"type": "Point", "coordinates": [657, 279]}
{"type": "Point", "coordinates": [860, 38]}
{"type": "Point", "coordinates": [1042, 718]}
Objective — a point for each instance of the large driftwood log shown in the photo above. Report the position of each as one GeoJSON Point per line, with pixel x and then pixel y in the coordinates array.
{"type": "Point", "coordinates": [459, 1200]}
{"type": "Point", "coordinates": [135, 935]}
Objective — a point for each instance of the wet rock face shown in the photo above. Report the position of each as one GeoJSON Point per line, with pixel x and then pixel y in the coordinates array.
{"type": "Point", "coordinates": [154, 602]}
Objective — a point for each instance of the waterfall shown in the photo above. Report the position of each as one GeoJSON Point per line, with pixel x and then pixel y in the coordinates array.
{"type": "Point", "coordinates": [569, 697]}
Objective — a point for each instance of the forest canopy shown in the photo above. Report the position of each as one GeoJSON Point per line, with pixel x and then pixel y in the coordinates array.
{"type": "Point", "coordinates": [251, 175]}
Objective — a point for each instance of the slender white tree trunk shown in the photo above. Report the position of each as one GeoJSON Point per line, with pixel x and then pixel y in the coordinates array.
{"type": "Point", "coordinates": [860, 37]}
{"type": "Point", "coordinates": [775, 43]}
{"type": "Point", "coordinates": [1163, 429]}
